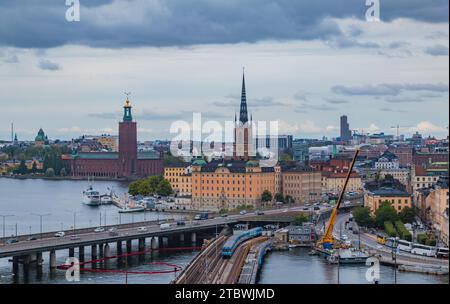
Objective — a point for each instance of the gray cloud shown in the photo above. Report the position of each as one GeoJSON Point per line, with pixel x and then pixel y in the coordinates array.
{"type": "Point", "coordinates": [306, 106]}
{"type": "Point", "coordinates": [335, 101]}
{"type": "Point", "coordinates": [404, 99]}
{"type": "Point", "coordinates": [48, 65]}
{"type": "Point", "coordinates": [9, 57]}
{"type": "Point", "coordinates": [398, 44]}
{"type": "Point", "coordinates": [388, 89]}
{"type": "Point", "coordinates": [151, 115]}
{"type": "Point", "coordinates": [254, 103]}
{"type": "Point", "coordinates": [437, 50]}
{"type": "Point", "coordinates": [392, 110]}
{"type": "Point", "coordinates": [131, 23]}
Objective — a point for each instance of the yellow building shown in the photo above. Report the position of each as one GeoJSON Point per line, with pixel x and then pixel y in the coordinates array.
{"type": "Point", "coordinates": [436, 206]}
{"type": "Point", "coordinates": [303, 184]}
{"type": "Point", "coordinates": [334, 182]}
{"type": "Point", "coordinates": [399, 199]}
{"type": "Point", "coordinates": [108, 141]}
{"type": "Point", "coordinates": [180, 178]}
{"type": "Point", "coordinates": [227, 185]}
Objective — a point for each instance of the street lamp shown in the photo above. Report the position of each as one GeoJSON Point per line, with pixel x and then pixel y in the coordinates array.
{"type": "Point", "coordinates": [4, 217]}
{"type": "Point", "coordinates": [394, 257]}
{"type": "Point", "coordinates": [40, 218]}
{"type": "Point", "coordinates": [74, 219]}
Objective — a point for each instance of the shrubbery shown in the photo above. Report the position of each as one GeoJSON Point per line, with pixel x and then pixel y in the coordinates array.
{"type": "Point", "coordinates": [403, 233]}
{"type": "Point", "coordinates": [390, 229]}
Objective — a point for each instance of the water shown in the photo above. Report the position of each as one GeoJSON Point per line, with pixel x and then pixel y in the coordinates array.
{"type": "Point", "coordinates": [60, 199]}
{"type": "Point", "coordinates": [297, 267]}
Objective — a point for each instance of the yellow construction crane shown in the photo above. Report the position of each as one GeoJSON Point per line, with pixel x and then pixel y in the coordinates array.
{"type": "Point", "coordinates": [328, 241]}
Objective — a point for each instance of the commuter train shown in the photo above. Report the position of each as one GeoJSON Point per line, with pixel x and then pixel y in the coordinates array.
{"type": "Point", "coordinates": [235, 240]}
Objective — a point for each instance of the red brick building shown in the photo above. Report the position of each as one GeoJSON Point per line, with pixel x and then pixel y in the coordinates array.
{"type": "Point", "coordinates": [127, 163]}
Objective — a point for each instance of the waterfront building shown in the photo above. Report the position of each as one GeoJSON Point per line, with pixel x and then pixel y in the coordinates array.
{"type": "Point", "coordinates": [399, 199]}
{"type": "Point", "coordinates": [302, 183]}
{"type": "Point", "coordinates": [333, 182]}
{"type": "Point", "coordinates": [179, 175]}
{"type": "Point", "coordinates": [228, 184]}
{"type": "Point", "coordinates": [126, 163]}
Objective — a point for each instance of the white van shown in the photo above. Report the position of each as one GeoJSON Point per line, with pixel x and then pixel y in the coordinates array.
{"type": "Point", "coordinates": [164, 226]}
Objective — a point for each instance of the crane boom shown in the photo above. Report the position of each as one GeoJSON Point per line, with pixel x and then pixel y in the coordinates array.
{"type": "Point", "coordinates": [327, 240]}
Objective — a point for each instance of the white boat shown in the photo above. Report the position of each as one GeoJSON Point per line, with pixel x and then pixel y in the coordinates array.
{"type": "Point", "coordinates": [128, 208]}
{"type": "Point", "coordinates": [106, 199]}
{"type": "Point", "coordinates": [91, 197]}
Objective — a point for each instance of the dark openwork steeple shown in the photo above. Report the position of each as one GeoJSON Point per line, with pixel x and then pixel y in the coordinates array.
{"type": "Point", "coordinates": [243, 115]}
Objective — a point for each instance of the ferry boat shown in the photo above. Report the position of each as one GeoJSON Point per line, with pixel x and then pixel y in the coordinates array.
{"type": "Point", "coordinates": [128, 208]}
{"type": "Point", "coordinates": [91, 197]}
{"type": "Point", "coordinates": [352, 256]}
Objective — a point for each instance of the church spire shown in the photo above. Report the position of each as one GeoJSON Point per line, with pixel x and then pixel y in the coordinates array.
{"type": "Point", "coordinates": [243, 115]}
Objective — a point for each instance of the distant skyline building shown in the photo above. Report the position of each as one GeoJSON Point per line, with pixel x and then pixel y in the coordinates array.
{"type": "Point", "coordinates": [346, 134]}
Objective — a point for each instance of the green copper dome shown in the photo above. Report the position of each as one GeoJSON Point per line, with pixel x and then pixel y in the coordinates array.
{"type": "Point", "coordinates": [40, 136]}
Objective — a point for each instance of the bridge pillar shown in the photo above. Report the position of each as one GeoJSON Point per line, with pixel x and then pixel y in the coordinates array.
{"type": "Point", "coordinates": [182, 238]}
{"type": "Point", "coordinates": [155, 243]}
{"type": "Point", "coordinates": [71, 252]}
{"type": "Point", "coordinates": [163, 241]}
{"type": "Point", "coordinates": [100, 251]}
{"type": "Point", "coordinates": [194, 239]}
{"type": "Point", "coordinates": [81, 254]}
{"type": "Point", "coordinates": [107, 251]}
{"type": "Point", "coordinates": [141, 244]}
{"type": "Point", "coordinates": [129, 246]}
{"type": "Point", "coordinates": [39, 261]}
{"type": "Point", "coordinates": [15, 266]}
{"type": "Point", "coordinates": [119, 248]}
{"type": "Point", "coordinates": [93, 252]}
{"type": "Point", "coordinates": [26, 259]}
{"type": "Point", "coordinates": [52, 260]}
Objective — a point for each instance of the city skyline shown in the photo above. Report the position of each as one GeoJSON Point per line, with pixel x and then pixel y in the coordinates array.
{"type": "Point", "coordinates": [305, 74]}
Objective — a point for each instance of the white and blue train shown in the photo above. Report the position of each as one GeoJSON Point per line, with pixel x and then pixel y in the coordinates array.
{"type": "Point", "coordinates": [235, 240]}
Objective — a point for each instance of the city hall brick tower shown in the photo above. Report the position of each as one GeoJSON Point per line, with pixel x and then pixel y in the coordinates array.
{"type": "Point", "coordinates": [127, 142]}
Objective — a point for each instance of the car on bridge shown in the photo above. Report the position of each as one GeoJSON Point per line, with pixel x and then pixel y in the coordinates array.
{"type": "Point", "coordinates": [113, 231]}
{"type": "Point", "coordinates": [75, 237]}
{"type": "Point", "coordinates": [142, 229]}
{"type": "Point", "coordinates": [12, 241]}
{"type": "Point", "coordinates": [60, 234]}
{"type": "Point", "coordinates": [99, 229]}
{"type": "Point", "coordinates": [31, 238]}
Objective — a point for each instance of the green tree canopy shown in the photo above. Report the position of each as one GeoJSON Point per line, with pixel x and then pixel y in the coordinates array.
{"type": "Point", "coordinates": [22, 169]}
{"type": "Point", "coordinates": [300, 219]}
{"type": "Point", "coordinates": [150, 185]}
{"type": "Point", "coordinates": [362, 217]}
{"type": "Point", "coordinates": [407, 215]}
{"type": "Point", "coordinates": [385, 213]}
{"type": "Point", "coordinates": [279, 197]}
{"type": "Point", "coordinates": [266, 196]}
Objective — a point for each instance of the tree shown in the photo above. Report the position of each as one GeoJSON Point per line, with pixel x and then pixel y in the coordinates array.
{"type": "Point", "coordinates": [164, 188]}
{"type": "Point", "coordinates": [300, 219]}
{"type": "Point", "coordinates": [362, 217]}
{"type": "Point", "coordinates": [407, 215]}
{"type": "Point", "coordinates": [266, 196]}
{"type": "Point", "coordinates": [34, 168]}
{"type": "Point", "coordinates": [22, 169]}
{"type": "Point", "coordinates": [63, 172]}
{"type": "Point", "coordinates": [385, 213]}
{"type": "Point", "coordinates": [289, 199]}
{"type": "Point", "coordinates": [50, 172]}
{"type": "Point", "coordinates": [279, 197]}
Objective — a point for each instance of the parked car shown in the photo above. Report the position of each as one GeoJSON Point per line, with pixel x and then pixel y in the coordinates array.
{"type": "Point", "coordinates": [181, 223]}
{"type": "Point", "coordinates": [243, 212]}
{"type": "Point", "coordinates": [31, 238]}
{"type": "Point", "coordinates": [60, 234]}
{"type": "Point", "coordinates": [224, 215]}
{"type": "Point", "coordinates": [259, 212]}
{"type": "Point", "coordinates": [99, 229]}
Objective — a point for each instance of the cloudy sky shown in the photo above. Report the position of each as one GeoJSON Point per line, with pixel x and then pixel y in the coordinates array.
{"type": "Point", "coordinates": [306, 63]}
